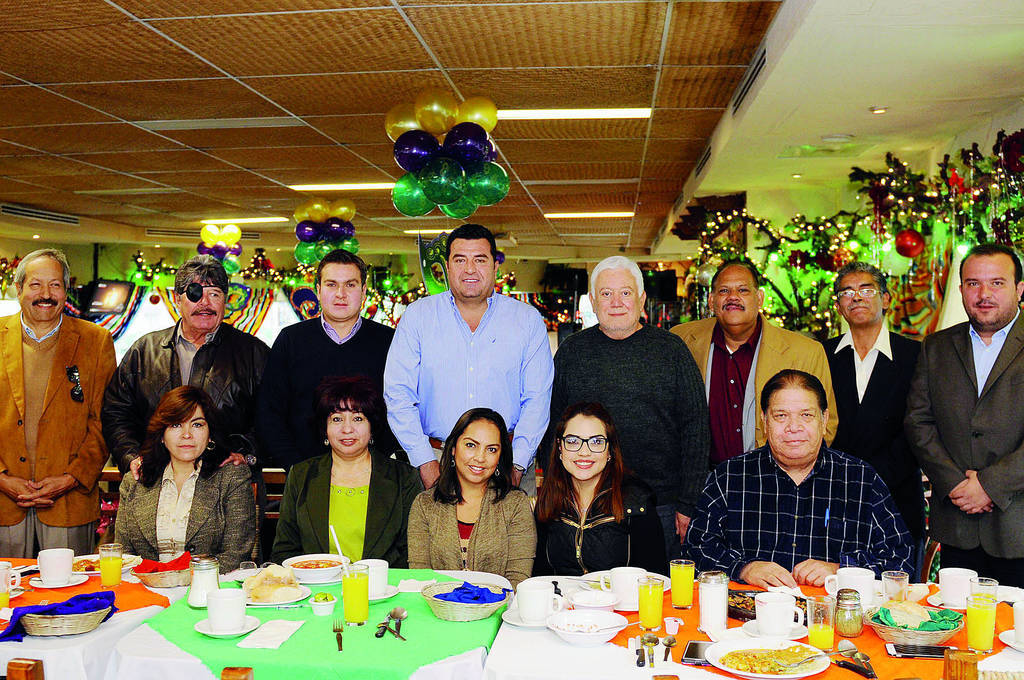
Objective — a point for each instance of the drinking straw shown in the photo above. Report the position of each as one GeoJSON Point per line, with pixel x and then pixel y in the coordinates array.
{"type": "Point", "coordinates": [334, 536]}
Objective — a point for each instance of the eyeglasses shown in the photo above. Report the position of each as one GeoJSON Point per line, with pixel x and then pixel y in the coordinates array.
{"type": "Point", "coordinates": [76, 383]}
{"type": "Point", "coordinates": [597, 444]}
{"type": "Point", "coordinates": [866, 293]}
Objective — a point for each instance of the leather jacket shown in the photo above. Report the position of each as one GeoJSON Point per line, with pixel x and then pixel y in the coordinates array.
{"type": "Point", "coordinates": [229, 367]}
{"type": "Point", "coordinates": [572, 546]}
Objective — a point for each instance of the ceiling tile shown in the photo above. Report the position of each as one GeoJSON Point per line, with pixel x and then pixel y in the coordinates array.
{"type": "Point", "coordinates": [717, 32]}
{"type": "Point", "coordinates": [355, 129]}
{"type": "Point", "coordinates": [214, 178]}
{"type": "Point", "coordinates": [148, 9]}
{"type": "Point", "coordinates": [329, 176]}
{"type": "Point", "coordinates": [154, 161]}
{"type": "Point", "coordinates": [86, 138]}
{"type": "Point", "coordinates": [15, 166]}
{"type": "Point", "coordinates": [348, 93]}
{"type": "Point", "coordinates": [570, 151]}
{"type": "Point", "coordinates": [27, 105]}
{"type": "Point", "coordinates": [90, 182]}
{"type": "Point", "coordinates": [675, 149]}
{"type": "Point", "coordinates": [555, 88]}
{"type": "Point", "coordinates": [323, 42]}
{"type": "Point", "coordinates": [11, 186]}
{"type": "Point", "coordinates": [290, 157]}
{"type": "Point", "coordinates": [562, 171]}
{"type": "Point", "coordinates": [684, 123]}
{"type": "Point", "coordinates": [698, 86]}
{"type": "Point", "coordinates": [541, 191]}
{"type": "Point", "coordinates": [611, 200]}
{"type": "Point", "coordinates": [382, 155]}
{"type": "Point", "coordinates": [227, 138]}
{"type": "Point", "coordinates": [570, 129]}
{"type": "Point", "coordinates": [59, 15]}
{"type": "Point", "coordinates": [543, 34]}
{"type": "Point", "coordinates": [667, 170]}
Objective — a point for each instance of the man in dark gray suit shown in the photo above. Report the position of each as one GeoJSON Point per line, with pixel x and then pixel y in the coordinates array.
{"type": "Point", "coordinates": [964, 421]}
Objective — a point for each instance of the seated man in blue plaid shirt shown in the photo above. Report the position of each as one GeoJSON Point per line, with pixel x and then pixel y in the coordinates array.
{"type": "Point", "coordinates": [794, 510]}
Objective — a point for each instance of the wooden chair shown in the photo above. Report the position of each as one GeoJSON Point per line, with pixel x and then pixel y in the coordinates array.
{"type": "Point", "coordinates": [235, 673]}
{"type": "Point", "coordinates": [931, 551]}
{"type": "Point", "coordinates": [25, 669]}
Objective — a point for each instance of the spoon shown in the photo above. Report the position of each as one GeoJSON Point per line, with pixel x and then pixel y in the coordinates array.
{"type": "Point", "coordinates": [650, 641]}
{"type": "Point", "coordinates": [398, 614]}
{"type": "Point", "coordinates": [669, 642]}
{"type": "Point", "coordinates": [845, 648]}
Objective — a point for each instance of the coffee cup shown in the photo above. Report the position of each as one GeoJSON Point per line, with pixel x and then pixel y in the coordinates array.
{"type": "Point", "coordinates": [55, 566]}
{"type": "Point", "coordinates": [225, 608]}
{"type": "Point", "coordinates": [625, 583]}
{"type": "Point", "coordinates": [1018, 622]}
{"type": "Point", "coordinates": [860, 579]}
{"type": "Point", "coordinates": [777, 614]}
{"type": "Point", "coordinates": [955, 586]}
{"type": "Point", "coordinates": [378, 571]}
{"type": "Point", "coordinates": [536, 600]}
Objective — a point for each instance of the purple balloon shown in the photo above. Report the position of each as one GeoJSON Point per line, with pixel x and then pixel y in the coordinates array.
{"type": "Point", "coordinates": [467, 143]}
{"type": "Point", "coordinates": [492, 153]}
{"type": "Point", "coordinates": [235, 249]}
{"type": "Point", "coordinates": [337, 229]}
{"type": "Point", "coordinates": [203, 249]}
{"type": "Point", "coordinates": [499, 258]}
{"type": "Point", "coordinates": [414, 148]}
{"type": "Point", "coordinates": [307, 231]}
{"type": "Point", "coordinates": [219, 251]}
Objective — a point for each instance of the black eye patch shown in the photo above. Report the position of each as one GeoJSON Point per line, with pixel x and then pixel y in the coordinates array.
{"type": "Point", "coordinates": [194, 291]}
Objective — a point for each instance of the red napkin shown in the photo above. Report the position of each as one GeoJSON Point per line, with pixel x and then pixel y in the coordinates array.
{"type": "Point", "coordinates": [177, 564]}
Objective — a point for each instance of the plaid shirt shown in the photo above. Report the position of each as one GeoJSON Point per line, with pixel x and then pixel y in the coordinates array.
{"type": "Point", "coordinates": [842, 512]}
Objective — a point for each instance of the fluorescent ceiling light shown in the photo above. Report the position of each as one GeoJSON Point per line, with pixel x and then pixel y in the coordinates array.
{"type": "Point", "coordinates": [571, 114]}
{"type": "Point", "coordinates": [219, 123]}
{"type": "Point", "coordinates": [425, 231]}
{"type": "Point", "coordinates": [573, 234]}
{"type": "Point", "coordinates": [130, 192]}
{"type": "Point", "coordinates": [367, 186]}
{"type": "Point", "coordinates": [878, 110]}
{"type": "Point", "coordinates": [585, 215]}
{"type": "Point", "coordinates": [246, 220]}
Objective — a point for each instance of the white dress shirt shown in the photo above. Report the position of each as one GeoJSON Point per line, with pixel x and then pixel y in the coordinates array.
{"type": "Point", "coordinates": [172, 513]}
{"type": "Point", "coordinates": [985, 355]}
{"type": "Point", "coordinates": [863, 367]}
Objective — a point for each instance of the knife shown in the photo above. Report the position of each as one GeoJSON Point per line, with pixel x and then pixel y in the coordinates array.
{"type": "Point", "coordinates": [866, 670]}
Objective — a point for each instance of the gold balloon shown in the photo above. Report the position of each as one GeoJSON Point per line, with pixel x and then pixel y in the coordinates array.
{"type": "Point", "coordinates": [343, 209]}
{"type": "Point", "coordinates": [301, 214]}
{"type": "Point", "coordinates": [230, 234]}
{"type": "Point", "coordinates": [436, 110]}
{"type": "Point", "coordinates": [401, 118]}
{"type": "Point", "coordinates": [479, 110]}
{"type": "Point", "coordinates": [210, 233]}
{"type": "Point", "coordinates": [318, 210]}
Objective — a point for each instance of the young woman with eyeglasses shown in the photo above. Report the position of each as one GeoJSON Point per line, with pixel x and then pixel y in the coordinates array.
{"type": "Point", "coordinates": [591, 513]}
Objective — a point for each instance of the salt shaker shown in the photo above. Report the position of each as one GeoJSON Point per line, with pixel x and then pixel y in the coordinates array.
{"type": "Point", "coordinates": [205, 577]}
{"type": "Point", "coordinates": [849, 620]}
{"type": "Point", "coordinates": [713, 595]}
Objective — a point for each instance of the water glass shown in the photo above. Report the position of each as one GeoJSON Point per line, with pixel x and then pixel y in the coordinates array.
{"type": "Point", "coordinates": [110, 564]}
{"type": "Point", "coordinates": [821, 631]}
{"type": "Point", "coordinates": [981, 622]}
{"type": "Point", "coordinates": [895, 585]}
{"type": "Point", "coordinates": [981, 585]}
{"type": "Point", "coordinates": [681, 572]}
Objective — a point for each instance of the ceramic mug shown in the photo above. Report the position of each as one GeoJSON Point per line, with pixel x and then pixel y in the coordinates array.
{"type": "Point", "coordinates": [536, 600]}
{"type": "Point", "coordinates": [625, 583]}
{"type": "Point", "coordinates": [955, 586]}
{"type": "Point", "coordinates": [225, 608]}
{"type": "Point", "coordinates": [55, 566]}
{"type": "Point", "coordinates": [378, 570]}
{"type": "Point", "coordinates": [1018, 622]}
{"type": "Point", "coordinates": [860, 579]}
{"type": "Point", "coordinates": [777, 614]}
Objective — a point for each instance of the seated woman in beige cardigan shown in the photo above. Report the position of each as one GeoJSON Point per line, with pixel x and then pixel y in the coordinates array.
{"type": "Point", "coordinates": [185, 499]}
{"type": "Point", "coordinates": [474, 517]}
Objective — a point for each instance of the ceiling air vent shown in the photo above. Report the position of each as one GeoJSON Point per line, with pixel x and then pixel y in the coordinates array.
{"type": "Point", "coordinates": [37, 214]}
{"type": "Point", "coordinates": [704, 158]}
{"type": "Point", "coordinates": [192, 234]}
{"type": "Point", "coordinates": [756, 66]}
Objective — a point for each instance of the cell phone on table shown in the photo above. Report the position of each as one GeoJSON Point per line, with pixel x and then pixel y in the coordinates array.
{"type": "Point", "coordinates": [693, 654]}
{"type": "Point", "coordinates": [917, 651]}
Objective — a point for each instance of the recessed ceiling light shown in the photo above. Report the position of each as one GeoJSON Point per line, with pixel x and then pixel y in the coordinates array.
{"type": "Point", "coordinates": [365, 186]}
{"type": "Point", "coordinates": [878, 110]}
{"type": "Point", "coordinates": [585, 215]}
{"type": "Point", "coordinates": [246, 220]}
{"type": "Point", "coordinates": [424, 231]}
{"type": "Point", "coordinates": [796, 175]}
{"type": "Point", "coordinates": [219, 123]}
{"type": "Point", "coordinates": [157, 245]}
{"type": "Point", "coordinates": [35, 235]}
{"type": "Point", "coordinates": [571, 114]}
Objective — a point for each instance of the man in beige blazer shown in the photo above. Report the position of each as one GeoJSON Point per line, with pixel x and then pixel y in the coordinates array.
{"type": "Point", "coordinates": [739, 342]}
{"type": "Point", "coordinates": [55, 369]}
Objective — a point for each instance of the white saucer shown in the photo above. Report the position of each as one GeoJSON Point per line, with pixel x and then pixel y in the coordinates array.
{"type": "Point", "coordinates": [936, 601]}
{"type": "Point", "coordinates": [389, 592]}
{"type": "Point", "coordinates": [795, 633]}
{"type": "Point", "coordinates": [251, 624]}
{"type": "Point", "coordinates": [1009, 594]}
{"type": "Point", "coordinates": [76, 580]}
{"type": "Point", "coordinates": [328, 582]}
{"type": "Point", "coordinates": [632, 606]}
{"type": "Point", "coordinates": [511, 617]}
{"type": "Point", "coordinates": [1006, 637]}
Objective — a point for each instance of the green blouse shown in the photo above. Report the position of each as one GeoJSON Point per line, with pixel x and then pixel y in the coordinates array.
{"type": "Point", "coordinates": [347, 515]}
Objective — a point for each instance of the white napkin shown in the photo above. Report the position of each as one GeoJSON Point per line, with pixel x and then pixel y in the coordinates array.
{"type": "Point", "coordinates": [728, 634]}
{"type": "Point", "coordinates": [271, 634]}
{"type": "Point", "coordinates": [411, 585]}
{"type": "Point", "coordinates": [1007, 660]}
{"type": "Point", "coordinates": [796, 592]}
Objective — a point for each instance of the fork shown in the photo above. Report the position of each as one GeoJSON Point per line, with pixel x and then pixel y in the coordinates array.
{"type": "Point", "coordinates": [339, 625]}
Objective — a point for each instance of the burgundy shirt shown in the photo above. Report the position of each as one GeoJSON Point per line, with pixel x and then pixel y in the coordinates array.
{"type": "Point", "coordinates": [729, 374]}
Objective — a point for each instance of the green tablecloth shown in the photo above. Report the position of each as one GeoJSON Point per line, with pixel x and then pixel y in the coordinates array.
{"type": "Point", "coordinates": [312, 653]}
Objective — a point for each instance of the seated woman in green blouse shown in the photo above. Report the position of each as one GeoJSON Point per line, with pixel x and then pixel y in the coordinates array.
{"type": "Point", "coordinates": [365, 496]}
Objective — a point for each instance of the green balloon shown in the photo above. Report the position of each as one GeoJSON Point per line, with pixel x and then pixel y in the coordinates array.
{"type": "Point", "coordinates": [488, 185]}
{"type": "Point", "coordinates": [351, 245]}
{"type": "Point", "coordinates": [443, 180]}
{"type": "Point", "coordinates": [460, 209]}
{"type": "Point", "coordinates": [231, 264]}
{"type": "Point", "coordinates": [323, 248]}
{"type": "Point", "coordinates": [305, 253]}
{"type": "Point", "coordinates": [407, 196]}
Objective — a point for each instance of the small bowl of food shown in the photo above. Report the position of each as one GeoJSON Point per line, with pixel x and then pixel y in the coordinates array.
{"type": "Point", "coordinates": [586, 627]}
{"type": "Point", "coordinates": [316, 568]}
{"type": "Point", "coordinates": [593, 599]}
{"type": "Point", "coordinates": [323, 604]}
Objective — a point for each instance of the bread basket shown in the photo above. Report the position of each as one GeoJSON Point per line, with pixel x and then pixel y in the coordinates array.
{"type": "Point", "coordinates": [63, 624]}
{"type": "Point", "coordinates": [461, 611]}
{"type": "Point", "coordinates": [164, 579]}
{"type": "Point", "coordinates": [904, 636]}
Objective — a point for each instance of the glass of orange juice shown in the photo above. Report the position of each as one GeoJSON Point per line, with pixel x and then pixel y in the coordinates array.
{"type": "Point", "coordinates": [8, 579]}
{"type": "Point", "coordinates": [355, 594]}
{"type": "Point", "coordinates": [681, 572]}
{"type": "Point", "coordinates": [981, 622]}
{"type": "Point", "coordinates": [110, 564]}
{"type": "Point", "coordinates": [821, 632]}
{"type": "Point", "coordinates": [652, 589]}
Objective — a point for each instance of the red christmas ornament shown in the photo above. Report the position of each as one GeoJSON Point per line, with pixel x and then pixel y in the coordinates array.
{"type": "Point", "coordinates": [798, 259]}
{"type": "Point", "coordinates": [841, 258]}
{"type": "Point", "coordinates": [370, 311]}
{"type": "Point", "coordinates": [154, 299]}
{"type": "Point", "coordinates": [909, 243]}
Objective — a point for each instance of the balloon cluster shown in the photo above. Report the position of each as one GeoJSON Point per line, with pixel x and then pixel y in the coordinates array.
{"type": "Point", "coordinates": [322, 226]}
{"type": "Point", "coordinates": [222, 243]}
{"type": "Point", "coordinates": [456, 173]}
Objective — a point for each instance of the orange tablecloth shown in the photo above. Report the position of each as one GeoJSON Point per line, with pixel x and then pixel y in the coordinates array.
{"type": "Point", "coordinates": [868, 642]}
{"type": "Point", "coordinates": [126, 596]}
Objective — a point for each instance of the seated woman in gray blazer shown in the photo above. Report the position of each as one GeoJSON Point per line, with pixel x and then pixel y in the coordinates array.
{"type": "Point", "coordinates": [364, 495]}
{"type": "Point", "coordinates": [185, 498]}
{"type": "Point", "coordinates": [475, 518]}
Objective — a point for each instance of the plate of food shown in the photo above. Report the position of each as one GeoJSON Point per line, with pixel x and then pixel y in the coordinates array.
{"type": "Point", "coordinates": [762, 659]}
{"type": "Point", "coordinates": [273, 586]}
{"type": "Point", "coordinates": [741, 604]}
{"type": "Point", "coordinates": [90, 564]}
{"type": "Point", "coordinates": [316, 568]}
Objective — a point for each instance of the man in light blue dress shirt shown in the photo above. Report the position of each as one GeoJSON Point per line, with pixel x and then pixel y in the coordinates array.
{"type": "Point", "coordinates": [466, 348]}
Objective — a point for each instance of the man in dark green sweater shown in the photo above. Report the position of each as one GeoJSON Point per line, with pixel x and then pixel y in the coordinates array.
{"type": "Point", "coordinates": [649, 382]}
{"type": "Point", "coordinates": [339, 342]}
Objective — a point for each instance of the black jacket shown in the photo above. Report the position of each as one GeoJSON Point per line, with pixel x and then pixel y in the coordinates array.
{"type": "Point", "coordinates": [229, 368]}
{"type": "Point", "coordinates": [872, 429]}
{"type": "Point", "coordinates": [569, 547]}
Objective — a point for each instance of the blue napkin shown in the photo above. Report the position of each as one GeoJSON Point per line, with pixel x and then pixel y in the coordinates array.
{"type": "Point", "coordinates": [468, 593]}
{"type": "Point", "coordinates": [79, 604]}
